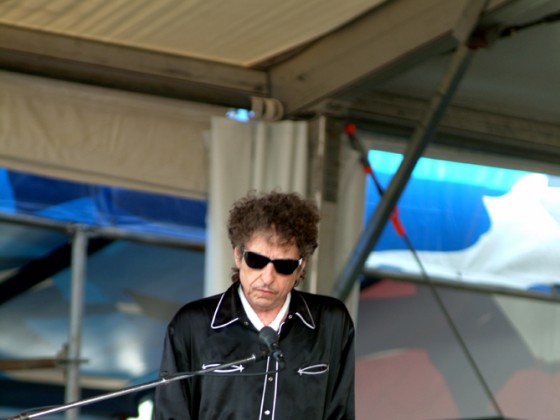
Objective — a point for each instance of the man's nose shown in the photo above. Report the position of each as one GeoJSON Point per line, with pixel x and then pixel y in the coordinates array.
{"type": "Point", "coordinates": [268, 273]}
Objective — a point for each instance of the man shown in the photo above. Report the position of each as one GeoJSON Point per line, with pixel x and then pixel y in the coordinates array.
{"type": "Point", "coordinates": [273, 236]}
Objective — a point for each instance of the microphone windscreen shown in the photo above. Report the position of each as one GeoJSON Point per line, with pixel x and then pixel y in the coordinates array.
{"type": "Point", "coordinates": [268, 336]}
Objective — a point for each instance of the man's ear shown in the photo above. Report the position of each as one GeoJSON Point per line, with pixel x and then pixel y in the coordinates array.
{"type": "Point", "coordinates": [237, 256]}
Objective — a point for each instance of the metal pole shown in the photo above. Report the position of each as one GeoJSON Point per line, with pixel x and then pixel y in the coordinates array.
{"type": "Point", "coordinates": [163, 380]}
{"type": "Point", "coordinates": [79, 252]}
{"type": "Point", "coordinates": [454, 284]}
{"type": "Point", "coordinates": [103, 231]}
{"type": "Point", "coordinates": [416, 147]}
{"type": "Point", "coordinates": [420, 139]}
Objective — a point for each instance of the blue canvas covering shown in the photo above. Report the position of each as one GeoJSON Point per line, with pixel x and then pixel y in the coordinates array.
{"type": "Point", "coordinates": [471, 223]}
{"type": "Point", "coordinates": [101, 206]}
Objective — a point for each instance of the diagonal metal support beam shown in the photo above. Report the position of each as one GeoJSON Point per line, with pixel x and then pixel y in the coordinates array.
{"type": "Point", "coordinates": [420, 139]}
{"type": "Point", "coordinates": [392, 39]}
{"type": "Point", "coordinates": [41, 269]}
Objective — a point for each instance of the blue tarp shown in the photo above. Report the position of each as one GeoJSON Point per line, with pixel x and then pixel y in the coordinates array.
{"type": "Point", "coordinates": [474, 223]}
{"type": "Point", "coordinates": [101, 206]}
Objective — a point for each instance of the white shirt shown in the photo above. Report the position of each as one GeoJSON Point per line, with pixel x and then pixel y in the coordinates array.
{"type": "Point", "coordinates": [254, 318]}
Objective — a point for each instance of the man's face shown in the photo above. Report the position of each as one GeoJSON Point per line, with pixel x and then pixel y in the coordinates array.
{"type": "Point", "coordinates": [265, 288]}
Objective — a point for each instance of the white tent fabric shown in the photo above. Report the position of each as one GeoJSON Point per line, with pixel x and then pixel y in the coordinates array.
{"type": "Point", "coordinates": [103, 136]}
{"type": "Point", "coordinates": [247, 156]}
{"type": "Point", "coordinates": [207, 29]}
{"type": "Point", "coordinates": [263, 156]}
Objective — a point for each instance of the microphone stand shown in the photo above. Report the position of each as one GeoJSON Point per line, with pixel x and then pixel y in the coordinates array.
{"type": "Point", "coordinates": [147, 385]}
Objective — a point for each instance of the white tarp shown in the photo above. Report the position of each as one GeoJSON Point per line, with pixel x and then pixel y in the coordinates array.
{"type": "Point", "coordinates": [255, 156]}
{"type": "Point", "coordinates": [103, 136]}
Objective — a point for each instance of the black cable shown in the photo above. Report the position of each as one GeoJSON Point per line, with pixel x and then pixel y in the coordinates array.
{"type": "Point", "coordinates": [350, 131]}
{"type": "Point", "coordinates": [514, 29]}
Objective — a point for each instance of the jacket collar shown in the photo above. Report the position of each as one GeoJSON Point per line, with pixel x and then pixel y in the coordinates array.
{"type": "Point", "coordinates": [230, 309]}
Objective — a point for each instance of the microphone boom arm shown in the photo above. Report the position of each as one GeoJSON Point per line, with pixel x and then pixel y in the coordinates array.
{"type": "Point", "coordinates": [163, 380]}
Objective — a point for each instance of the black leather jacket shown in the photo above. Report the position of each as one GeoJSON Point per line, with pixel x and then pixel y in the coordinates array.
{"type": "Point", "coordinates": [317, 340]}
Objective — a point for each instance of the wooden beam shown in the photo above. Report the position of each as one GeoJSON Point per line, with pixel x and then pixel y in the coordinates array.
{"type": "Point", "coordinates": [378, 46]}
{"type": "Point", "coordinates": [389, 40]}
{"type": "Point", "coordinates": [116, 66]}
{"type": "Point", "coordinates": [464, 129]}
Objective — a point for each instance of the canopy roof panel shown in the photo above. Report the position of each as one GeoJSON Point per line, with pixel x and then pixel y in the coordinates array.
{"type": "Point", "coordinates": [241, 33]}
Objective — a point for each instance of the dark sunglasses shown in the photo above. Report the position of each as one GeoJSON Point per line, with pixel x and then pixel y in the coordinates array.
{"type": "Point", "coordinates": [282, 266]}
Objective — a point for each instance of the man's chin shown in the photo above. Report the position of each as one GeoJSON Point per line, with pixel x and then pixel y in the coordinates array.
{"type": "Point", "coordinates": [264, 303]}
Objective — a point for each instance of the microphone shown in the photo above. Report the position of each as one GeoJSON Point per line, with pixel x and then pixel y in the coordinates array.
{"type": "Point", "coordinates": [269, 338]}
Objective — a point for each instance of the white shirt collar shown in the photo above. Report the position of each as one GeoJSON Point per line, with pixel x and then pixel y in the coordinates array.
{"type": "Point", "coordinates": [254, 318]}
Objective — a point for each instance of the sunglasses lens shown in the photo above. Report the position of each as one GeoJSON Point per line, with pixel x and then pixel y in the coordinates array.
{"type": "Point", "coordinates": [254, 260]}
{"type": "Point", "coordinates": [285, 267]}
{"type": "Point", "coordinates": [258, 261]}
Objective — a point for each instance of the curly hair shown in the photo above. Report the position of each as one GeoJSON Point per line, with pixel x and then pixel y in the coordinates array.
{"type": "Point", "coordinates": [293, 219]}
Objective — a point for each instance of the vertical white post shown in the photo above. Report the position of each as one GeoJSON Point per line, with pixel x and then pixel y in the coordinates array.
{"type": "Point", "coordinates": [79, 253]}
